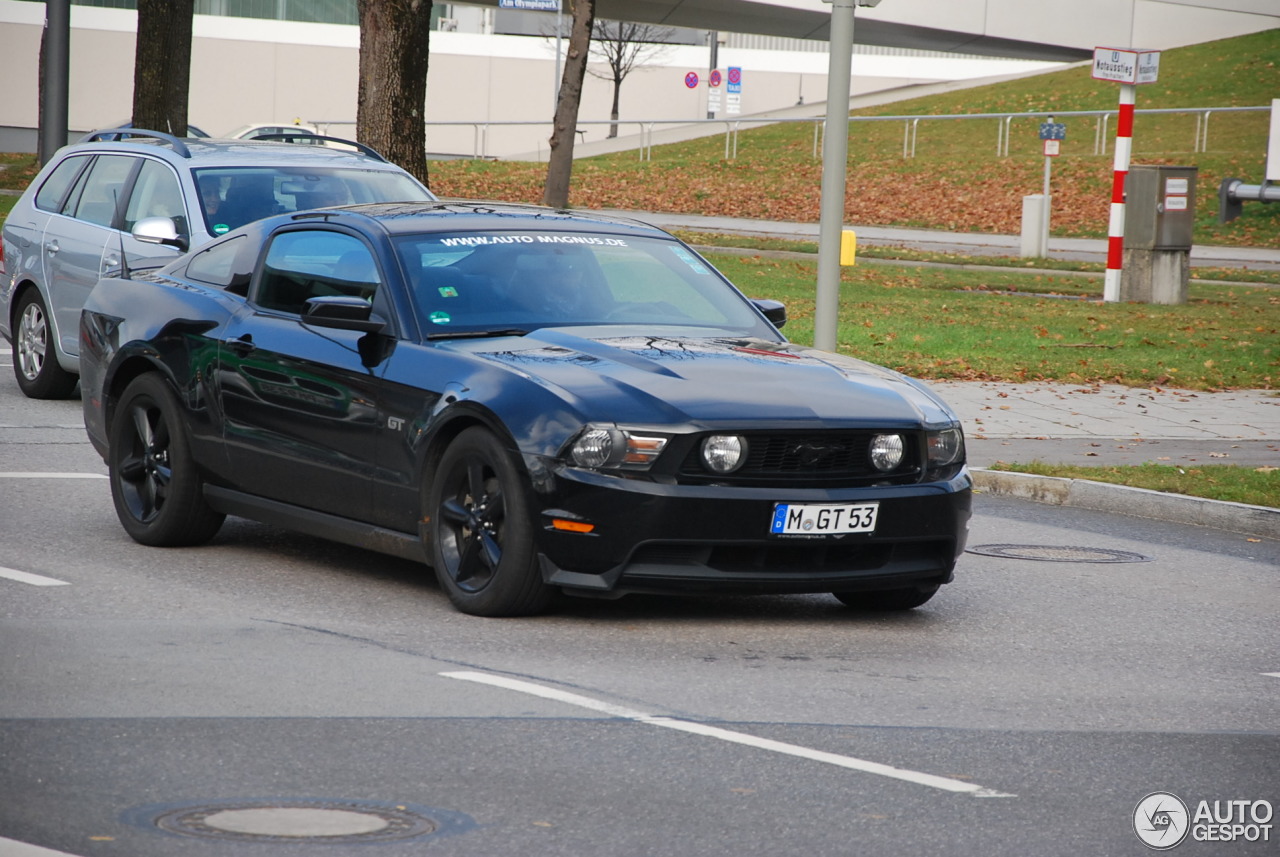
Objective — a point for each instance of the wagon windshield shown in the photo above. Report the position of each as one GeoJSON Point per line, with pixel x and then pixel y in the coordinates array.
{"type": "Point", "coordinates": [526, 280]}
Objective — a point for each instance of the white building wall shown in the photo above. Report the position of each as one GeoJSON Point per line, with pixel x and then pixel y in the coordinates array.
{"type": "Point", "coordinates": [247, 70]}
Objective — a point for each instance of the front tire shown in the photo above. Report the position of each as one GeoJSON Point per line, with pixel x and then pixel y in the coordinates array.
{"type": "Point", "coordinates": [35, 358]}
{"type": "Point", "coordinates": [155, 485]}
{"type": "Point", "coordinates": [888, 600]}
{"type": "Point", "coordinates": [481, 533]}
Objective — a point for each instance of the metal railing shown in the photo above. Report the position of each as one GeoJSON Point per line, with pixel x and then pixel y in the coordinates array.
{"type": "Point", "coordinates": [911, 125]}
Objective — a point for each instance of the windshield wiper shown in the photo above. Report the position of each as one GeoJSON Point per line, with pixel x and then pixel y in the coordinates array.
{"type": "Point", "coordinates": [478, 334]}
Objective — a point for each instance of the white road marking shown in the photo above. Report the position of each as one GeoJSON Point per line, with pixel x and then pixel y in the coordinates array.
{"type": "Point", "coordinates": [17, 474]}
{"type": "Point", "coordinates": [1273, 675]}
{"type": "Point", "coordinates": [28, 577]}
{"type": "Point", "coordinates": [14, 848]}
{"type": "Point", "coordinates": [930, 780]}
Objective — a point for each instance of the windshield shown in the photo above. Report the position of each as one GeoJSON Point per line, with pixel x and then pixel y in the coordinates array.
{"type": "Point", "coordinates": [502, 281]}
{"type": "Point", "coordinates": [234, 196]}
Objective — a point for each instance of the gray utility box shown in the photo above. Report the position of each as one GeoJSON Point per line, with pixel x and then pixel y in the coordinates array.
{"type": "Point", "coordinates": [1160, 207]}
{"type": "Point", "coordinates": [1159, 218]}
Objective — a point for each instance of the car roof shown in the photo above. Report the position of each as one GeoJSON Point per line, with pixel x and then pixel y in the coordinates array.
{"type": "Point", "coordinates": [457, 215]}
{"type": "Point", "coordinates": [215, 152]}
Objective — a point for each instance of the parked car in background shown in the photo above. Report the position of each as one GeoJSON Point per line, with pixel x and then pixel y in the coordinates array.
{"type": "Point", "coordinates": [529, 400]}
{"type": "Point", "coordinates": [72, 225]}
{"type": "Point", "coordinates": [261, 129]}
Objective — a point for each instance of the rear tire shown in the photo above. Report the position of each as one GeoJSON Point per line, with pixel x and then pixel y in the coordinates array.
{"type": "Point", "coordinates": [888, 600]}
{"type": "Point", "coordinates": [482, 544]}
{"type": "Point", "coordinates": [35, 357]}
{"type": "Point", "coordinates": [157, 490]}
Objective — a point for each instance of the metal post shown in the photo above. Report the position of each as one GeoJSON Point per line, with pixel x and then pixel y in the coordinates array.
{"type": "Point", "coordinates": [835, 156]}
{"type": "Point", "coordinates": [55, 72]}
{"type": "Point", "coordinates": [714, 36]}
{"type": "Point", "coordinates": [555, 90]}
{"type": "Point", "coordinates": [1048, 205]}
{"type": "Point", "coordinates": [1048, 201]}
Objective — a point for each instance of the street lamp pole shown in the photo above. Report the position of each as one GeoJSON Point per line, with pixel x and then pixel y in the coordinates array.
{"type": "Point", "coordinates": [835, 154]}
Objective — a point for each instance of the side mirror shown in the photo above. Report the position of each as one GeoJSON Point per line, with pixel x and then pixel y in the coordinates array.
{"type": "Point", "coordinates": [775, 311]}
{"type": "Point", "coordinates": [159, 230]}
{"type": "Point", "coordinates": [341, 312]}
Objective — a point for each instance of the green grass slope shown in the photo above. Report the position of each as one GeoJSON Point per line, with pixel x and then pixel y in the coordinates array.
{"type": "Point", "coordinates": [956, 180]}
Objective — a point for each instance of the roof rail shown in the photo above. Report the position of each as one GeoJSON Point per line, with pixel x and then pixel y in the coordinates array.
{"type": "Point", "coordinates": [308, 137]}
{"type": "Point", "coordinates": [114, 134]}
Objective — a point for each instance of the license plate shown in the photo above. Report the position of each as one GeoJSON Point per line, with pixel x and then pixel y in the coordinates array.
{"type": "Point", "coordinates": [823, 519]}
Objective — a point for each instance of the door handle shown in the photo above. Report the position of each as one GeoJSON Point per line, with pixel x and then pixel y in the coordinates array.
{"type": "Point", "coordinates": [52, 247]}
{"type": "Point", "coordinates": [241, 345]}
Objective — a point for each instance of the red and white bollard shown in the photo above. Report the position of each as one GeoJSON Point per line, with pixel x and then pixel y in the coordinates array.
{"type": "Point", "coordinates": [1115, 231]}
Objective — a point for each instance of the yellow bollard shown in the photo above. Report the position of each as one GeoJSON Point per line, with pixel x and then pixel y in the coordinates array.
{"type": "Point", "coordinates": [848, 248]}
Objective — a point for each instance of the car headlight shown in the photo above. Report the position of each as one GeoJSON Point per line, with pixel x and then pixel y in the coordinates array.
{"type": "Point", "coordinates": [597, 447]}
{"type": "Point", "coordinates": [886, 451]}
{"type": "Point", "coordinates": [945, 447]}
{"type": "Point", "coordinates": [724, 453]}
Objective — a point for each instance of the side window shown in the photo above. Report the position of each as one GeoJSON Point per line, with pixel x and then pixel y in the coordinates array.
{"type": "Point", "coordinates": [102, 188]}
{"type": "Point", "coordinates": [54, 190]}
{"type": "Point", "coordinates": [315, 263]}
{"type": "Point", "coordinates": [156, 194]}
{"type": "Point", "coordinates": [228, 265]}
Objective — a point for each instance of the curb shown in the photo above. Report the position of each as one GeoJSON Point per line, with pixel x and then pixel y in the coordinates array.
{"type": "Point", "coordinates": [1103, 497]}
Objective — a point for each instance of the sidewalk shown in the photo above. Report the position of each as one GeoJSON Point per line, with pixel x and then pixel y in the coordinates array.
{"type": "Point", "coordinates": [969, 243]}
{"type": "Point", "coordinates": [1110, 424]}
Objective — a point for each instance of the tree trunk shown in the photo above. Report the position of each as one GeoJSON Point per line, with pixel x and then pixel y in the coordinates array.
{"type": "Point", "coordinates": [392, 93]}
{"type": "Point", "coordinates": [613, 114]}
{"type": "Point", "coordinates": [560, 165]}
{"type": "Point", "coordinates": [162, 65]}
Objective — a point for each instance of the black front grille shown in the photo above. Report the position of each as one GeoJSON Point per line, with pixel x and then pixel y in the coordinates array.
{"type": "Point", "coordinates": [807, 458]}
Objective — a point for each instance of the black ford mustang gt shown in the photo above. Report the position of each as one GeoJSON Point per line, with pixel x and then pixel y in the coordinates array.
{"type": "Point", "coordinates": [529, 400]}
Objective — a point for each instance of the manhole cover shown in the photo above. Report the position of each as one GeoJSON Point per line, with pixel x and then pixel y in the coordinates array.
{"type": "Point", "coordinates": [318, 821]}
{"type": "Point", "coordinates": [1058, 553]}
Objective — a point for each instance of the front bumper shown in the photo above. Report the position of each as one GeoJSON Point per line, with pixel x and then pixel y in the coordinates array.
{"type": "Point", "coordinates": [665, 538]}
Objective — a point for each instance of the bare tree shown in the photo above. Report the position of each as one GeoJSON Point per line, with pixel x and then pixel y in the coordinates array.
{"type": "Point", "coordinates": [392, 93]}
{"type": "Point", "coordinates": [162, 65]}
{"type": "Point", "coordinates": [622, 46]}
{"type": "Point", "coordinates": [560, 166]}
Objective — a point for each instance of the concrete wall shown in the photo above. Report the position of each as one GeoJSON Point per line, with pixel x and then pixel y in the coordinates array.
{"type": "Point", "coordinates": [264, 71]}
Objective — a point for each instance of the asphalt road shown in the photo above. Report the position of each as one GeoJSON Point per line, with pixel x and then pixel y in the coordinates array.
{"type": "Point", "coordinates": [269, 693]}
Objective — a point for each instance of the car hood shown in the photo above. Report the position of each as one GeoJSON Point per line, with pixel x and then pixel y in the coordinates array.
{"type": "Point", "coordinates": [673, 379]}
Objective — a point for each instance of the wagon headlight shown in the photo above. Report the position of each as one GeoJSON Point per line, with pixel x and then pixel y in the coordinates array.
{"type": "Point", "coordinates": [724, 453]}
{"type": "Point", "coordinates": [886, 451]}
{"type": "Point", "coordinates": [945, 447]}
{"type": "Point", "coordinates": [604, 447]}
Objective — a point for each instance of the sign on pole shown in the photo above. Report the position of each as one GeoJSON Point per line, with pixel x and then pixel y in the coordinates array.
{"type": "Point", "coordinates": [1123, 65]}
{"type": "Point", "coordinates": [733, 99]}
{"type": "Point", "coordinates": [691, 80]}
{"type": "Point", "coordinates": [531, 5]}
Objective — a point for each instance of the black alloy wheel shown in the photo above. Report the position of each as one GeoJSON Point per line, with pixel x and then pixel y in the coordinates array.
{"type": "Point", "coordinates": [155, 485]}
{"type": "Point", "coordinates": [481, 532]}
